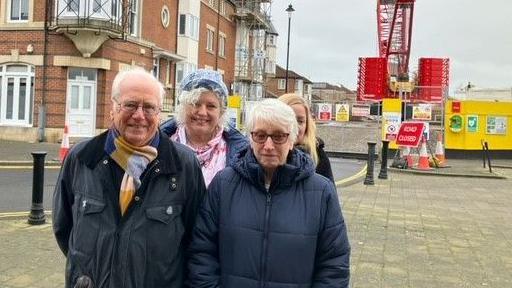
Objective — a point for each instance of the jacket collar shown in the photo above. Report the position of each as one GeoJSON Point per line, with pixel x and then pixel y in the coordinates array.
{"type": "Point", "coordinates": [168, 158]}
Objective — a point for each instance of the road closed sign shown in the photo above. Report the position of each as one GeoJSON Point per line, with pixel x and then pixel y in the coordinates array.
{"type": "Point", "coordinates": [410, 134]}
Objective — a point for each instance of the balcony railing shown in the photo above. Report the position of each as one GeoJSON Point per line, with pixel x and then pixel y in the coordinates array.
{"type": "Point", "coordinates": [111, 15]}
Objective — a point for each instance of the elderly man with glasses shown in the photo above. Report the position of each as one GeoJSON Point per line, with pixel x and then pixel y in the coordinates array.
{"type": "Point", "coordinates": [269, 220]}
{"type": "Point", "coordinates": [125, 201]}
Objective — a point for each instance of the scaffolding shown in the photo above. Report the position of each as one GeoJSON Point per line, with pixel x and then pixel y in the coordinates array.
{"type": "Point", "coordinates": [253, 25]}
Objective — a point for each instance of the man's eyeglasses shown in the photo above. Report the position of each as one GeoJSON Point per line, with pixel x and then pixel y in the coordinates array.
{"type": "Point", "coordinates": [132, 107]}
{"type": "Point", "coordinates": [261, 137]}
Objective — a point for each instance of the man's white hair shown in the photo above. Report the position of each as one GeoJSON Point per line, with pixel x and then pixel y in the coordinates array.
{"type": "Point", "coordinates": [137, 71]}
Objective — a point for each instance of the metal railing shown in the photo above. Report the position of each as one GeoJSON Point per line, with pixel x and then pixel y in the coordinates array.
{"type": "Point", "coordinates": [112, 15]}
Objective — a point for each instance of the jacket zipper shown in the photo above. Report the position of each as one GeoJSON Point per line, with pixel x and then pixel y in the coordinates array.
{"type": "Point", "coordinates": [265, 240]}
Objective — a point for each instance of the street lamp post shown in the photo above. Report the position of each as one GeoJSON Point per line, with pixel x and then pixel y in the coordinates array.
{"type": "Point", "coordinates": [289, 10]}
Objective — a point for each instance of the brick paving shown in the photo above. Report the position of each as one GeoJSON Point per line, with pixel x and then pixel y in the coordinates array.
{"type": "Point", "coordinates": [430, 231]}
{"type": "Point", "coordinates": [30, 256]}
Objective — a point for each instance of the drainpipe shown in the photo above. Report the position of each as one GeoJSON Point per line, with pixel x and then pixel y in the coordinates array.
{"type": "Point", "coordinates": [175, 63]}
{"type": "Point", "coordinates": [218, 36]}
{"type": "Point", "coordinates": [42, 108]}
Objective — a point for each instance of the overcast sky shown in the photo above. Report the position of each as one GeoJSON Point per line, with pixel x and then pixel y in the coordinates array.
{"type": "Point", "coordinates": [328, 36]}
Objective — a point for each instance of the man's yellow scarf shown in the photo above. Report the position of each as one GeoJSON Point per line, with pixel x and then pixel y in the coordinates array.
{"type": "Point", "coordinates": [133, 160]}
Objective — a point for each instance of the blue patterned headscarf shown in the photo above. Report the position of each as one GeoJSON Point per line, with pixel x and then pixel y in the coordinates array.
{"type": "Point", "coordinates": [204, 78]}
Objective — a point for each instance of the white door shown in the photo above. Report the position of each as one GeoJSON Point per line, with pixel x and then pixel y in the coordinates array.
{"type": "Point", "coordinates": [81, 103]}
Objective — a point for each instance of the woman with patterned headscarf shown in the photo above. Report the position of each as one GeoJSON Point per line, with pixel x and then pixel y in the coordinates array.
{"type": "Point", "coordinates": [201, 124]}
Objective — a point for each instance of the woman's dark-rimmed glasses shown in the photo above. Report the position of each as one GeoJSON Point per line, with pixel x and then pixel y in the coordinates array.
{"type": "Point", "coordinates": [277, 138]}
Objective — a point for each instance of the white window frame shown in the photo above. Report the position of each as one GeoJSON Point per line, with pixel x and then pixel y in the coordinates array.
{"type": "Point", "coordinates": [222, 44]}
{"type": "Point", "coordinates": [106, 10]}
{"type": "Point", "coordinates": [29, 75]}
{"type": "Point", "coordinates": [210, 39]}
{"type": "Point", "coordinates": [156, 68]}
{"type": "Point", "coordinates": [134, 18]}
{"type": "Point", "coordinates": [298, 82]}
{"type": "Point", "coordinates": [188, 26]}
{"type": "Point", "coordinates": [165, 16]}
{"type": "Point", "coordinates": [168, 73]}
{"type": "Point", "coordinates": [116, 9]}
{"type": "Point", "coordinates": [281, 84]}
{"type": "Point", "coordinates": [9, 11]}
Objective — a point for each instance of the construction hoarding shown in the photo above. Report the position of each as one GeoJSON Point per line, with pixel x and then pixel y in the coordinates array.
{"type": "Point", "coordinates": [475, 121]}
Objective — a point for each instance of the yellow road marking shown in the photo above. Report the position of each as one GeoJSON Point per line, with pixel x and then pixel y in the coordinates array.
{"type": "Point", "coordinates": [357, 175]}
{"type": "Point", "coordinates": [18, 214]}
{"type": "Point", "coordinates": [26, 167]}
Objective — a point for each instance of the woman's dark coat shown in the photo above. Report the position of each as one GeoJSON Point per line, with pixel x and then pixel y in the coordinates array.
{"type": "Point", "coordinates": [292, 235]}
{"type": "Point", "coordinates": [323, 167]}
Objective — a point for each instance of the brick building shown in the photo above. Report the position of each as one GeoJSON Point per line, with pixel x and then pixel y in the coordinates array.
{"type": "Point", "coordinates": [57, 63]}
{"type": "Point", "coordinates": [276, 85]}
{"type": "Point", "coordinates": [325, 92]}
{"type": "Point", "coordinates": [216, 39]}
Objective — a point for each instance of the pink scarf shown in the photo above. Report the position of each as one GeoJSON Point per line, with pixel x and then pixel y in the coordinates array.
{"type": "Point", "coordinates": [212, 157]}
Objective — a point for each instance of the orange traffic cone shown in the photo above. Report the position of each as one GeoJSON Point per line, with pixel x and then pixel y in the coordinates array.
{"type": "Point", "coordinates": [440, 150]}
{"type": "Point", "coordinates": [64, 146]}
{"type": "Point", "coordinates": [406, 153]}
{"type": "Point", "coordinates": [423, 159]}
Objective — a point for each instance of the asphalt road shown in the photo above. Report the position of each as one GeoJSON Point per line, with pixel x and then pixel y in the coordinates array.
{"type": "Point", "coordinates": [16, 188]}
{"type": "Point", "coordinates": [344, 168]}
{"type": "Point", "coordinates": [16, 184]}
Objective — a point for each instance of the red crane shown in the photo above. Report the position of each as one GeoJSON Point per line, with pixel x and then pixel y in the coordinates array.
{"type": "Point", "coordinates": [394, 26]}
{"type": "Point", "coordinates": [380, 77]}
{"type": "Point", "coordinates": [387, 76]}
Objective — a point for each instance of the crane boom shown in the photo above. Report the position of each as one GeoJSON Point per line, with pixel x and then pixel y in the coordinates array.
{"type": "Point", "coordinates": [394, 21]}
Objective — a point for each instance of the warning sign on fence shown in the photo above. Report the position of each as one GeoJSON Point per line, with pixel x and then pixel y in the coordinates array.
{"type": "Point", "coordinates": [324, 112]}
{"type": "Point", "coordinates": [342, 112]}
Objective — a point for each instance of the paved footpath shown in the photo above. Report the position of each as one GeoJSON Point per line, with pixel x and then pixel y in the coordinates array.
{"type": "Point", "coordinates": [30, 256]}
{"type": "Point", "coordinates": [407, 231]}
{"type": "Point", "coordinates": [430, 231]}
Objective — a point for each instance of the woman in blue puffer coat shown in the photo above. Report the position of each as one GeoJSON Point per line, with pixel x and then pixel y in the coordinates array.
{"type": "Point", "coordinates": [270, 220]}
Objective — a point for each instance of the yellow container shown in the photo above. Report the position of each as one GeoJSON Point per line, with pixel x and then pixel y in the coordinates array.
{"type": "Point", "coordinates": [467, 123]}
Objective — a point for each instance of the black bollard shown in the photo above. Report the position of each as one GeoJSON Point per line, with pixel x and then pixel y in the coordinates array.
{"type": "Point", "coordinates": [369, 169]}
{"type": "Point", "coordinates": [36, 216]}
{"type": "Point", "coordinates": [488, 156]}
{"type": "Point", "coordinates": [383, 174]}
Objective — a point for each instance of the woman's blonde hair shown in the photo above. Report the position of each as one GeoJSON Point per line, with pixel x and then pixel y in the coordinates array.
{"type": "Point", "coordinates": [310, 133]}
